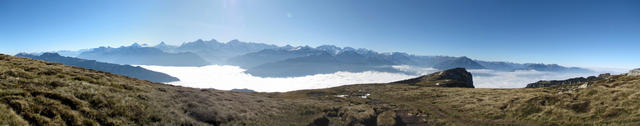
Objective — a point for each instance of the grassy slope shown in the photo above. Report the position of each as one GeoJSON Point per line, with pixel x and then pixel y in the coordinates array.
{"type": "Point", "coordinates": [40, 93]}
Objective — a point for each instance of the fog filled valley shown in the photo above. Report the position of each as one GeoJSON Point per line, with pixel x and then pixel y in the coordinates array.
{"type": "Point", "coordinates": [233, 77]}
{"type": "Point", "coordinates": [269, 68]}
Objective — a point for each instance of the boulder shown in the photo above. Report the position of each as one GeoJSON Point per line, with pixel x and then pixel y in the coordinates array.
{"type": "Point", "coordinates": [635, 72]}
{"type": "Point", "coordinates": [456, 77]}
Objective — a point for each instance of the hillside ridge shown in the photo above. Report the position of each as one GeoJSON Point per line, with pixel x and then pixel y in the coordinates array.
{"type": "Point", "coordinates": [126, 70]}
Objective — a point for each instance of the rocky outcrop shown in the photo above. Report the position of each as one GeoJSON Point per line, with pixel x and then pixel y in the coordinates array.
{"type": "Point", "coordinates": [457, 77]}
{"type": "Point", "coordinates": [635, 72]}
{"type": "Point", "coordinates": [541, 84]}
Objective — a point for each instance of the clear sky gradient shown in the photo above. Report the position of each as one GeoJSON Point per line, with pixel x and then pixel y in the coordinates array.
{"type": "Point", "coordinates": [585, 33]}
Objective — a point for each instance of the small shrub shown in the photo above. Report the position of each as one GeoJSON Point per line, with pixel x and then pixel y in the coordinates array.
{"type": "Point", "coordinates": [580, 107]}
{"type": "Point", "coordinates": [57, 83]}
{"type": "Point", "coordinates": [84, 78]}
{"type": "Point", "coordinates": [528, 109]}
{"type": "Point", "coordinates": [31, 69]}
{"type": "Point", "coordinates": [48, 72]}
{"type": "Point", "coordinates": [18, 73]}
{"type": "Point", "coordinates": [67, 100]}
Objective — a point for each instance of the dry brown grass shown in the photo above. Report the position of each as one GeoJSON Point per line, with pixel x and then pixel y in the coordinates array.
{"type": "Point", "coordinates": [40, 93]}
{"type": "Point", "coordinates": [607, 102]}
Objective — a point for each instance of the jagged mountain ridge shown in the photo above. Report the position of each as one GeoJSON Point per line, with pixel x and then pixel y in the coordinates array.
{"type": "Point", "coordinates": [321, 64]}
{"type": "Point", "coordinates": [138, 55]}
{"type": "Point", "coordinates": [291, 60]}
{"type": "Point", "coordinates": [256, 56]}
{"type": "Point", "coordinates": [216, 52]}
{"type": "Point", "coordinates": [254, 59]}
{"type": "Point", "coordinates": [126, 70]}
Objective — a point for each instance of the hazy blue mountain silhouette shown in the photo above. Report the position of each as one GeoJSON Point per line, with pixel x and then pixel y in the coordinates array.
{"type": "Point", "coordinates": [304, 60]}
{"type": "Point", "coordinates": [68, 53]}
{"type": "Point", "coordinates": [138, 55]}
{"type": "Point", "coordinates": [321, 64]}
{"type": "Point", "coordinates": [269, 60]}
{"type": "Point", "coordinates": [126, 70]}
{"type": "Point", "coordinates": [551, 68]}
{"type": "Point", "coordinates": [273, 55]}
{"type": "Point", "coordinates": [501, 66]}
{"type": "Point", "coordinates": [216, 52]}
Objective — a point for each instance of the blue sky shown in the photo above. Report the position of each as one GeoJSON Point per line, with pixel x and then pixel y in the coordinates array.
{"type": "Point", "coordinates": [585, 33]}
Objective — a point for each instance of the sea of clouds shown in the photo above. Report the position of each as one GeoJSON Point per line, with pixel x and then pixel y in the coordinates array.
{"type": "Point", "coordinates": [226, 77]}
{"type": "Point", "coordinates": [233, 77]}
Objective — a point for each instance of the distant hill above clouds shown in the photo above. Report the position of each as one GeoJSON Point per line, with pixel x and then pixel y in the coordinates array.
{"type": "Point", "coordinates": [126, 70]}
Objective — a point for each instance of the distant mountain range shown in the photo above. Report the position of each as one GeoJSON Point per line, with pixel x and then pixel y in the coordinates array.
{"type": "Point", "coordinates": [126, 70]}
{"type": "Point", "coordinates": [216, 52]}
{"type": "Point", "coordinates": [138, 55]}
{"type": "Point", "coordinates": [322, 64]}
{"type": "Point", "coordinates": [254, 59]}
{"type": "Point", "coordinates": [305, 60]}
{"type": "Point", "coordinates": [287, 61]}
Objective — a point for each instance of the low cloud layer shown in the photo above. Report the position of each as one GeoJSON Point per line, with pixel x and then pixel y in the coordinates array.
{"type": "Point", "coordinates": [484, 78]}
{"type": "Point", "coordinates": [518, 79]}
{"type": "Point", "coordinates": [232, 77]}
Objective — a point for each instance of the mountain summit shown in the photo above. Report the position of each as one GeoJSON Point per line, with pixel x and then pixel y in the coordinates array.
{"type": "Point", "coordinates": [457, 77]}
{"type": "Point", "coordinates": [463, 62]}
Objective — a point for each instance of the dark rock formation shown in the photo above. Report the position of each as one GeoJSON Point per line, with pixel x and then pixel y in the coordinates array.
{"type": "Point", "coordinates": [543, 83]}
{"type": "Point", "coordinates": [457, 77]}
